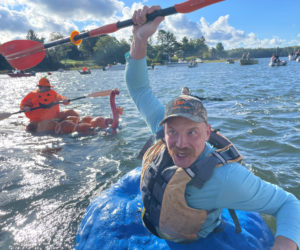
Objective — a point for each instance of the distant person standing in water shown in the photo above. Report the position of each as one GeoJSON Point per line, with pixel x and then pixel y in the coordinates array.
{"type": "Point", "coordinates": [186, 91]}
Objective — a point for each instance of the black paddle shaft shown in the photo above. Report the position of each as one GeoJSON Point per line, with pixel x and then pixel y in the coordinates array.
{"type": "Point", "coordinates": [120, 25]}
{"type": "Point", "coordinates": [49, 105]}
{"type": "Point", "coordinates": [150, 17]}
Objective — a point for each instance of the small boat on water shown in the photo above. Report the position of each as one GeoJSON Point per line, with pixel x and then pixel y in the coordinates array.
{"type": "Point", "coordinates": [280, 63]}
{"type": "Point", "coordinates": [21, 74]}
{"type": "Point", "coordinates": [193, 64]}
{"type": "Point", "coordinates": [114, 67]}
{"type": "Point", "coordinates": [248, 61]}
{"type": "Point", "coordinates": [176, 64]}
{"type": "Point", "coordinates": [85, 71]}
{"type": "Point", "coordinates": [275, 61]}
{"type": "Point", "coordinates": [292, 57]}
{"type": "Point", "coordinates": [230, 61]}
{"type": "Point", "coordinates": [296, 56]}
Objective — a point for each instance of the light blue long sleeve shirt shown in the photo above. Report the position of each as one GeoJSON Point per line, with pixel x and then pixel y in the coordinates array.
{"type": "Point", "coordinates": [232, 185]}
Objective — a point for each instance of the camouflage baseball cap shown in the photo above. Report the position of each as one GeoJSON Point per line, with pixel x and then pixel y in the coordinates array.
{"type": "Point", "coordinates": [186, 106]}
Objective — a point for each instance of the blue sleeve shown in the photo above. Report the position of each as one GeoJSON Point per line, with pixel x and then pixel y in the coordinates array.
{"type": "Point", "coordinates": [243, 190]}
{"type": "Point", "coordinates": [136, 76]}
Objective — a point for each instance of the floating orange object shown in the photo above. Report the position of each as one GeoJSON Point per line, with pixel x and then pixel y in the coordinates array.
{"type": "Point", "coordinates": [74, 119]}
{"type": "Point", "coordinates": [120, 110]}
{"type": "Point", "coordinates": [65, 127]}
{"type": "Point", "coordinates": [84, 128]}
{"type": "Point", "coordinates": [64, 114]}
{"type": "Point", "coordinates": [73, 34]}
{"type": "Point", "coordinates": [86, 119]}
{"type": "Point", "coordinates": [99, 122]}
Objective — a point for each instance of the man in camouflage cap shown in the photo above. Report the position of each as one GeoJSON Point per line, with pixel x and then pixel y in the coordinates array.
{"type": "Point", "coordinates": [186, 106]}
{"type": "Point", "coordinates": [189, 172]}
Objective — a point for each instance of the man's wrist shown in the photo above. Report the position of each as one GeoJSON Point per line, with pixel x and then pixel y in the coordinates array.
{"type": "Point", "coordinates": [138, 48]}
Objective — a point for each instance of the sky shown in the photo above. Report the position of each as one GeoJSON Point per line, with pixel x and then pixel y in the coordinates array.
{"type": "Point", "coordinates": [234, 23]}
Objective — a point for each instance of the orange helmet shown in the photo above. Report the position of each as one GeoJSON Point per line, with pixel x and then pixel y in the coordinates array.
{"type": "Point", "coordinates": [44, 82]}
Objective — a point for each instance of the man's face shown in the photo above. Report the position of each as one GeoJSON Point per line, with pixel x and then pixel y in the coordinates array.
{"type": "Point", "coordinates": [185, 140]}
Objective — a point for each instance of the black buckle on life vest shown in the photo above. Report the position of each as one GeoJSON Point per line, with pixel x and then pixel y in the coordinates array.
{"type": "Point", "coordinates": [221, 226]}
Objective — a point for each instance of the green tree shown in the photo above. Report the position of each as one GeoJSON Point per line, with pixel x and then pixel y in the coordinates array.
{"type": "Point", "coordinates": [200, 48]}
{"type": "Point", "coordinates": [52, 57]}
{"type": "Point", "coordinates": [31, 35]}
{"type": "Point", "coordinates": [213, 53]}
{"type": "Point", "coordinates": [108, 50]}
{"type": "Point", "coordinates": [220, 52]}
{"type": "Point", "coordinates": [4, 65]}
{"type": "Point", "coordinates": [86, 48]}
{"type": "Point", "coordinates": [167, 42]}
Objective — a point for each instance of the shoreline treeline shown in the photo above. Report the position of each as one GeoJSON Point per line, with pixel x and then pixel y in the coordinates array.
{"type": "Point", "coordinates": [106, 50]}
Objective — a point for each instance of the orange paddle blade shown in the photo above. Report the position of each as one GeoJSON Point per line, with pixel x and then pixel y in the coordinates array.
{"type": "Point", "coordinates": [23, 54]}
{"type": "Point", "coordinates": [100, 93]}
{"type": "Point", "coordinates": [192, 5]}
{"type": "Point", "coordinates": [4, 116]}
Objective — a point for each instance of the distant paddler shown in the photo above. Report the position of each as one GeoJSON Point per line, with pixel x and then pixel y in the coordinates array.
{"type": "Point", "coordinates": [186, 91]}
{"type": "Point", "coordinates": [41, 106]}
{"type": "Point", "coordinates": [46, 99]}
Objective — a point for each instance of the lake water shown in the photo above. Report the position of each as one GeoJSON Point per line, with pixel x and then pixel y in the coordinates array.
{"type": "Point", "coordinates": [47, 182]}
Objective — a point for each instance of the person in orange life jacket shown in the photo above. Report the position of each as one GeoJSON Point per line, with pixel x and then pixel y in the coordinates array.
{"type": "Point", "coordinates": [41, 119]}
{"type": "Point", "coordinates": [185, 142]}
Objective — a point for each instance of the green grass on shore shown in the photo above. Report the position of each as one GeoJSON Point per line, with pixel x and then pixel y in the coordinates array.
{"type": "Point", "coordinates": [77, 64]}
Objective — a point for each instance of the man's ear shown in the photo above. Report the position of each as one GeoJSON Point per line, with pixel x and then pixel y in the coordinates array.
{"type": "Point", "coordinates": [208, 131]}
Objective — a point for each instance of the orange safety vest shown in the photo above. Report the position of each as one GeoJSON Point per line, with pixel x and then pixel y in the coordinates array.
{"type": "Point", "coordinates": [37, 99]}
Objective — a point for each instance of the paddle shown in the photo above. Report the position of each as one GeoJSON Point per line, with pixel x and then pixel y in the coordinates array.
{"type": "Point", "coordinates": [25, 54]}
{"type": "Point", "coordinates": [95, 94]}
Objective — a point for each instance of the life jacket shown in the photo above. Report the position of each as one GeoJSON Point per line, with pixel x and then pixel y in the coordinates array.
{"type": "Point", "coordinates": [42, 99]}
{"type": "Point", "coordinates": [166, 213]}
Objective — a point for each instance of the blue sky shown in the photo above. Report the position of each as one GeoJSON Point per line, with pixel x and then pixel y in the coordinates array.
{"type": "Point", "coordinates": [235, 23]}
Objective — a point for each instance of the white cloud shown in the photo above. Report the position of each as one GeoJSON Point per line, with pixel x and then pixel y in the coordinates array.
{"type": "Point", "coordinates": [220, 31]}
{"type": "Point", "coordinates": [181, 26]}
{"type": "Point", "coordinates": [73, 9]}
{"type": "Point", "coordinates": [12, 20]}
{"type": "Point", "coordinates": [127, 12]}
{"type": "Point", "coordinates": [45, 17]}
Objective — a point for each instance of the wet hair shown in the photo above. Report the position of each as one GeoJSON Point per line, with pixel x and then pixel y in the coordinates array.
{"type": "Point", "coordinates": [185, 89]}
